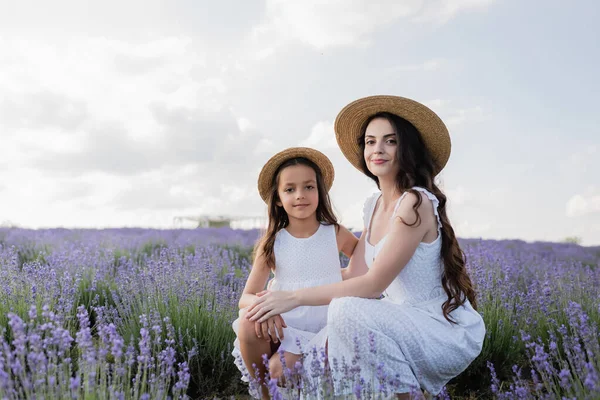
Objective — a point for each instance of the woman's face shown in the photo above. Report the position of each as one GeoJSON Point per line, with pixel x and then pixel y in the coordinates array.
{"type": "Point", "coordinates": [381, 148]}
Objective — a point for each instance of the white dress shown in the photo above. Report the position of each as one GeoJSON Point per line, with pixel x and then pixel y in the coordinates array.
{"type": "Point", "coordinates": [301, 263]}
{"type": "Point", "coordinates": [418, 347]}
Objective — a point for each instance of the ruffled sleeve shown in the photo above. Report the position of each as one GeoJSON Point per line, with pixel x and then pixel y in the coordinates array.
{"type": "Point", "coordinates": [368, 209]}
{"type": "Point", "coordinates": [434, 201]}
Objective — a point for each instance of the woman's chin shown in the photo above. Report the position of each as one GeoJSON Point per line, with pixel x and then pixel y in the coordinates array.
{"type": "Point", "coordinates": [383, 172]}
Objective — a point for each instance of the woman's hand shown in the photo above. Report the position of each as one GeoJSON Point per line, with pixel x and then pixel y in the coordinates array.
{"type": "Point", "coordinates": [271, 329]}
{"type": "Point", "coordinates": [270, 304]}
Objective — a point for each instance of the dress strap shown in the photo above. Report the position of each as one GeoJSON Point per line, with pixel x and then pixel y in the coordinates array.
{"type": "Point", "coordinates": [430, 196]}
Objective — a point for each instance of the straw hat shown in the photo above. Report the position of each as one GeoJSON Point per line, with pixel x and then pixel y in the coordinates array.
{"type": "Point", "coordinates": [350, 123]}
{"type": "Point", "coordinates": [267, 174]}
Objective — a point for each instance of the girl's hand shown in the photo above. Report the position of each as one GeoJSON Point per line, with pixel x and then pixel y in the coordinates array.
{"type": "Point", "coordinates": [270, 304]}
{"type": "Point", "coordinates": [271, 329]}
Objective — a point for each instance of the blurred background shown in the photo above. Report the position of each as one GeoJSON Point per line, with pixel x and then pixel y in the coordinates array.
{"type": "Point", "coordinates": [161, 113]}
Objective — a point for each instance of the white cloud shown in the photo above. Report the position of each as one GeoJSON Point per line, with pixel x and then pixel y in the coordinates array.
{"type": "Point", "coordinates": [99, 132]}
{"type": "Point", "coordinates": [112, 105]}
{"type": "Point", "coordinates": [466, 229]}
{"type": "Point", "coordinates": [341, 23]}
{"type": "Point", "coordinates": [477, 212]}
{"type": "Point", "coordinates": [455, 115]}
{"type": "Point", "coordinates": [429, 65]}
{"type": "Point", "coordinates": [352, 217]}
{"type": "Point", "coordinates": [150, 198]}
{"type": "Point", "coordinates": [97, 79]}
{"type": "Point", "coordinates": [585, 160]}
{"type": "Point", "coordinates": [322, 137]}
{"type": "Point", "coordinates": [435, 103]}
{"type": "Point", "coordinates": [466, 115]}
{"type": "Point", "coordinates": [264, 53]}
{"type": "Point", "coordinates": [244, 124]}
{"type": "Point", "coordinates": [458, 196]}
{"type": "Point", "coordinates": [584, 204]}
{"type": "Point", "coordinates": [444, 10]}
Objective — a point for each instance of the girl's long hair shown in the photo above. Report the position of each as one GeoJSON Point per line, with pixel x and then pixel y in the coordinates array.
{"type": "Point", "coordinates": [278, 218]}
{"type": "Point", "coordinates": [416, 168]}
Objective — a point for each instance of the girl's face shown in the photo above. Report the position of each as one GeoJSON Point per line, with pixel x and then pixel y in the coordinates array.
{"type": "Point", "coordinates": [380, 148]}
{"type": "Point", "coordinates": [298, 191]}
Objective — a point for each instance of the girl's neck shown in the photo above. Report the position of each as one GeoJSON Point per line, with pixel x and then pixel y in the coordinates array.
{"type": "Point", "coordinates": [389, 193]}
{"type": "Point", "coordinates": [303, 228]}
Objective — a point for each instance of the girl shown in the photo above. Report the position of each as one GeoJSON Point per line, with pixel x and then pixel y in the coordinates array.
{"type": "Point", "coordinates": [426, 328]}
{"type": "Point", "coordinates": [301, 247]}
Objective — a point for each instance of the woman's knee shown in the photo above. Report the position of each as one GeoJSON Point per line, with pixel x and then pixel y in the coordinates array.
{"type": "Point", "coordinates": [347, 317]}
{"type": "Point", "coordinates": [342, 309]}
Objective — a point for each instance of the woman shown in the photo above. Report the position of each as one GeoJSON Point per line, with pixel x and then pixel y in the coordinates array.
{"type": "Point", "coordinates": [426, 329]}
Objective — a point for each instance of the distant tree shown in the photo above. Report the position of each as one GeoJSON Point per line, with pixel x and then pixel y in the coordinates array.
{"type": "Point", "coordinates": [572, 239]}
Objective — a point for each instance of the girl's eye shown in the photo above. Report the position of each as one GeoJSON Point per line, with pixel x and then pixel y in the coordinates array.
{"type": "Point", "coordinates": [288, 190]}
{"type": "Point", "coordinates": [392, 141]}
{"type": "Point", "coordinates": [310, 187]}
{"type": "Point", "coordinates": [370, 142]}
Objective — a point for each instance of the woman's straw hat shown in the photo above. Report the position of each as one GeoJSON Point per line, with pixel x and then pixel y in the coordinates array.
{"type": "Point", "coordinates": [350, 124]}
{"type": "Point", "coordinates": [267, 174]}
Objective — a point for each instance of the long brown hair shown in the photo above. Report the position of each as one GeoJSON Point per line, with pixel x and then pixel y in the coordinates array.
{"type": "Point", "coordinates": [416, 168]}
{"type": "Point", "coordinates": [278, 218]}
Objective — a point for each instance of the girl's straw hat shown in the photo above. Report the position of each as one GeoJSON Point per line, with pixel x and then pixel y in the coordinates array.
{"type": "Point", "coordinates": [350, 124]}
{"type": "Point", "coordinates": [267, 174]}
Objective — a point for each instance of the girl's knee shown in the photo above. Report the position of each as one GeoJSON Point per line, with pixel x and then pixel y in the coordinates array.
{"type": "Point", "coordinates": [275, 367]}
{"type": "Point", "coordinates": [246, 330]}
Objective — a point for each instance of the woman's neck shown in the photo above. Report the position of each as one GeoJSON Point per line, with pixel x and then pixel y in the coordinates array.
{"type": "Point", "coordinates": [303, 228]}
{"type": "Point", "coordinates": [389, 193]}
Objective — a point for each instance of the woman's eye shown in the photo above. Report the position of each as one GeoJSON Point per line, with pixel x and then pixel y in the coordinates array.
{"type": "Point", "coordinates": [310, 187]}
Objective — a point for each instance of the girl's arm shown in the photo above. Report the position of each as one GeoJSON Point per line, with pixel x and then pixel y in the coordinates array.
{"type": "Point", "coordinates": [346, 241]}
{"type": "Point", "coordinates": [400, 245]}
{"type": "Point", "coordinates": [357, 265]}
{"type": "Point", "coordinates": [259, 275]}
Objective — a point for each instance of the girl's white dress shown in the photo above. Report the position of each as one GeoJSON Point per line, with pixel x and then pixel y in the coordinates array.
{"type": "Point", "coordinates": [415, 345]}
{"type": "Point", "coordinates": [301, 263]}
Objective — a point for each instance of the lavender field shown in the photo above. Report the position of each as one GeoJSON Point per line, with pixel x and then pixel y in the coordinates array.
{"type": "Point", "coordinates": [146, 314]}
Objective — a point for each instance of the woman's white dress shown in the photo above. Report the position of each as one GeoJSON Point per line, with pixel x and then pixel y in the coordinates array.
{"type": "Point", "coordinates": [417, 347]}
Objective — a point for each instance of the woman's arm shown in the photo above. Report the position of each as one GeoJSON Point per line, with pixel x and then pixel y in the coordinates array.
{"type": "Point", "coordinates": [400, 245]}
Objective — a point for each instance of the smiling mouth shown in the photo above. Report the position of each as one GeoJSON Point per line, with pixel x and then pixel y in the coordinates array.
{"type": "Point", "coordinates": [379, 161]}
{"type": "Point", "coordinates": [301, 205]}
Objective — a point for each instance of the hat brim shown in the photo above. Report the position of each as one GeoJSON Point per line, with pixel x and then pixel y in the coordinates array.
{"type": "Point", "coordinates": [267, 174]}
{"type": "Point", "coordinates": [350, 123]}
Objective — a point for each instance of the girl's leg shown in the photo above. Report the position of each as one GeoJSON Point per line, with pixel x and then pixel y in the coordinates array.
{"type": "Point", "coordinates": [252, 349]}
{"type": "Point", "coordinates": [408, 396]}
{"type": "Point", "coordinates": [276, 367]}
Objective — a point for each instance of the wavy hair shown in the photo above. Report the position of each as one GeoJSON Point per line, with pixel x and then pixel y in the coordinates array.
{"type": "Point", "coordinates": [416, 168]}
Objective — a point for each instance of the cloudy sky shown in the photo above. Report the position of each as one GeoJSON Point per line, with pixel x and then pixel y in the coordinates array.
{"type": "Point", "coordinates": [129, 113]}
